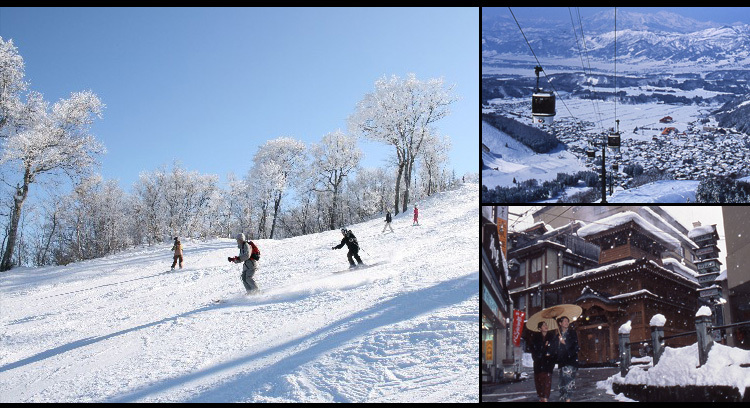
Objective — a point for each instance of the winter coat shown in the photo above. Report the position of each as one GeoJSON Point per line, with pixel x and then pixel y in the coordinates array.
{"type": "Point", "coordinates": [177, 248]}
{"type": "Point", "coordinates": [567, 354]}
{"type": "Point", "coordinates": [248, 264]}
{"type": "Point", "coordinates": [350, 241]}
{"type": "Point", "coordinates": [416, 213]}
{"type": "Point", "coordinates": [388, 217]}
{"type": "Point", "coordinates": [542, 352]}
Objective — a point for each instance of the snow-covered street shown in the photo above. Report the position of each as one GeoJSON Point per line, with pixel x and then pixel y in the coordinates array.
{"type": "Point", "coordinates": [127, 329]}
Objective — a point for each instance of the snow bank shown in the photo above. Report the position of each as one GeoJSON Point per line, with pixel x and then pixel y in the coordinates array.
{"type": "Point", "coordinates": [677, 366]}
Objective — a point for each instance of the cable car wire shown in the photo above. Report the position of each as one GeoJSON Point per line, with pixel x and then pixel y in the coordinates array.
{"type": "Point", "coordinates": [591, 86]}
{"type": "Point", "coordinates": [540, 64]}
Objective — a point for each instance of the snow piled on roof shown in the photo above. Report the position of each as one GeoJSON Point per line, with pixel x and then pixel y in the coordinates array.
{"type": "Point", "coordinates": [702, 230]}
{"type": "Point", "coordinates": [680, 268]}
{"type": "Point", "coordinates": [595, 270]}
{"type": "Point", "coordinates": [675, 230]}
{"type": "Point", "coordinates": [679, 366]}
{"type": "Point", "coordinates": [624, 218]}
{"type": "Point", "coordinates": [629, 294]}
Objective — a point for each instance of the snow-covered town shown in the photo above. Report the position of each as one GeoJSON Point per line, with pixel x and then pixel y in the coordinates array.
{"type": "Point", "coordinates": [572, 112]}
{"type": "Point", "coordinates": [615, 303]}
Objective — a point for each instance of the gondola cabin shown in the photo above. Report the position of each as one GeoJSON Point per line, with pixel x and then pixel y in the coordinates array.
{"type": "Point", "coordinates": [543, 108]}
{"type": "Point", "coordinates": [613, 141]}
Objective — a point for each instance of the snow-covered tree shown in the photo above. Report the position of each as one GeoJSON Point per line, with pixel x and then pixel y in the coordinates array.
{"type": "Point", "coordinates": [46, 142]}
{"type": "Point", "coordinates": [277, 163]}
{"type": "Point", "coordinates": [11, 85]}
{"type": "Point", "coordinates": [434, 158]}
{"type": "Point", "coordinates": [400, 112]}
{"type": "Point", "coordinates": [334, 158]}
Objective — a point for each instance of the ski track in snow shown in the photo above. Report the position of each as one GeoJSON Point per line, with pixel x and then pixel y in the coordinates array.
{"type": "Point", "coordinates": [127, 329]}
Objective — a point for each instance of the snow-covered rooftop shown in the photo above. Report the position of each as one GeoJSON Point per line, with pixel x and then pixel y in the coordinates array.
{"type": "Point", "coordinates": [624, 218]}
{"type": "Point", "coordinates": [702, 230]}
{"type": "Point", "coordinates": [680, 268]}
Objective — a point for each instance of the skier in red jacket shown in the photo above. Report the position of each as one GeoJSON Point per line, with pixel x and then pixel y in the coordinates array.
{"type": "Point", "coordinates": [416, 215]}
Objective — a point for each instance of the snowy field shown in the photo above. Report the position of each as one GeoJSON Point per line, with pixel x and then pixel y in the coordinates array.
{"type": "Point", "coordinates": [126, 329]}
{"type": "Point", "coordinates": [519, 162]}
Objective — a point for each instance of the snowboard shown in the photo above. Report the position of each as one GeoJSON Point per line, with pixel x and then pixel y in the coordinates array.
{"type": "Point", "coordinates": [361, 267]}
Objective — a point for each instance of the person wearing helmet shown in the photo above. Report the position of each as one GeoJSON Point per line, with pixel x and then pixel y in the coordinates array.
{"type": "Point", "coordinates": [351, 242]}
{"type": "Point", "coordinates": [249, 264]}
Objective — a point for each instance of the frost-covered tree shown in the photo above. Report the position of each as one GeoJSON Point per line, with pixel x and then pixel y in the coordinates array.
{"type": "Point", "coordinates": [11, 85]}
{"type": "Point", "coordinates": [400, 112]}
{"type": "Point", "coordinates": [434, 158]}
{"type": "Point", "coordinates": [177, 203]}
{"type": "Point", "coordinates": [334, 158]}
{"type": "Point", "coordinates": [277, 163]}
{"type": "Point", "coordinates": [49, 142]}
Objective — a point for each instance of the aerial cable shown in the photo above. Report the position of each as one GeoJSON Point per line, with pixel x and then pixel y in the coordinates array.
{"type": "Point", "coordinates": [615, 63]}
{"type": "Point", "coordinates": [540, 64]}
{"type": "Point", "coordinates": [591, 86]}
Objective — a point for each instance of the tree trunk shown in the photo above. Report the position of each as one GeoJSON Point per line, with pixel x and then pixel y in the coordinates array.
{"type": "Point", "coordinates": [276, 205]}
{"type": "Point", "coordinates": [21, 192]}
{"type": "Point", "coordinates": [398, 187]}
{"type": "Point", "coordinates": [407, 182]}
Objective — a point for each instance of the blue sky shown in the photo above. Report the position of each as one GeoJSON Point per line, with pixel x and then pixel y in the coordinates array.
{"type": "Point", "coordinates": [722, 15]}
{"type": "Point", "coordinates": [207, 86]}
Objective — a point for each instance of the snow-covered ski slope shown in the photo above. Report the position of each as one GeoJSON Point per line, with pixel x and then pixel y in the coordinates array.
{"type": "Point", "coordinates": [126, 329]}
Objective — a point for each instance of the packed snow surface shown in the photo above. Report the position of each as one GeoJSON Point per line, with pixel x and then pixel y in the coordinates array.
{"type": "Point", "coordinates": [127, 329]}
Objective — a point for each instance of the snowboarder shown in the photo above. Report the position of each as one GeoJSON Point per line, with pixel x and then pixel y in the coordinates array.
{"type": "Point", "coordinates": [177, 248]}
{"type": "Point", "coordinates": [249, 258]}
{"type": "Point", "coordinates": [388, 221]}
{"type": "Point", "coordinates": [351, 242]}
{"type": "Point", "coordinates": [416, 215]}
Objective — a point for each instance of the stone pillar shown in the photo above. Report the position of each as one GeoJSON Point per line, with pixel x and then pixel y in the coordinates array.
{"type": "Point", "coordinates": [624, 353]}
{"type": "Point", "coordinates": [657, 333]}
{"type": "Point", "coordinates": [705, 340]}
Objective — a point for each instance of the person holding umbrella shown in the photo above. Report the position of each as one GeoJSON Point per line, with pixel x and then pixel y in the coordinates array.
{"type": "Point", "coordinates": [566, 345]}
{"type": "Point", "coordinates": [544, 359]}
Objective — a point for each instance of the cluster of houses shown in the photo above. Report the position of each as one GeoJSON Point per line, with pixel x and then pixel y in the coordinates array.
{"type": "Point", "coordinates": [692, 153]}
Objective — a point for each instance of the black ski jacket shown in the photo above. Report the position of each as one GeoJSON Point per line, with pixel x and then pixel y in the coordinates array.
{"type": "Point", "coordinates": [350, 241]}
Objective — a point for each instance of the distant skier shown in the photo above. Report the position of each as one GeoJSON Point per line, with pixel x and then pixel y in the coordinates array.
{"type": "Point", "coordinates": [388, 221]}
{"type": "Point", "coordinates": [351, 242]}
{"type": "Point", "coordinates": [177, 248]}
{"type": "Point", "coordinates": [416, 216]}
{"type": "Point", "coordinates": [249, 256]}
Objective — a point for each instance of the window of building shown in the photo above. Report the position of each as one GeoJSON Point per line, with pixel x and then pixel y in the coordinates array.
{"type": "Point", "coordinates": [536, 300]}
{"type": "Point", "coordinates": [536, 264]}
{"type": "Point", "coordinates": [570, 269]}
